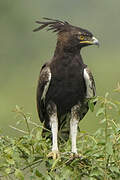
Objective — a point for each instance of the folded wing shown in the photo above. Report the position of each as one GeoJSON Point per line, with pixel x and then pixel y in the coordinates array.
{"type": "Point", "coordinates": [90, 83]}
{"type": "Point", "coordinates": [43, 85]}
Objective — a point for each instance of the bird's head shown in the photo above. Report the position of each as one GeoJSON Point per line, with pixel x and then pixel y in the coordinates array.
{"type": "Point", "coordinates": [70, 37]}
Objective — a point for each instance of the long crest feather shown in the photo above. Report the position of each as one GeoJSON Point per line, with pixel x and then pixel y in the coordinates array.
{"type": "Point", "coordinates": [52, 24]}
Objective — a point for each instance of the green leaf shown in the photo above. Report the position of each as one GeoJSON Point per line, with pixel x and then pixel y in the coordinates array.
{"type": "Point", "coordinates": [39, 134]}
{"type": "Point", "coordinates": [115, 169]}
{"type": "Point", "coordinates": [109, 148]}
{"type": "Point", "coordinates": [24, 149]}
{"type": "Point", "coordinates": [8, 170]}
{"type": "Point", "coordinates": [100, 111]}
{"type": "Point", "coordinates": [55, 162]}
{"type": "Point", "coordinates": [10, 161]}
{"type": "Point", "coordinates": [9, 151]}
{"type": "Point", "coordinates": [91, 105]}
{"type": "Point", "coordinates": [19, 174]}
{"type": "Point", "coordinates": [107, 94]}
{"type": "Point", "coordinates": [118, 129]}
{"type": "Point", "coordinates": [38, 174]}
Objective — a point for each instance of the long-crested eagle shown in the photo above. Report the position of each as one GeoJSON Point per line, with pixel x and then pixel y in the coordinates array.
{"type": "Point", "coordinates": [65, 83]}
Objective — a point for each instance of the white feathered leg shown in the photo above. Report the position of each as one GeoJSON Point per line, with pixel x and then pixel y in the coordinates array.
{"type": "Point", "coordinates": [73, 128]}
{"type": "Point", "coordinates": [54, 128]}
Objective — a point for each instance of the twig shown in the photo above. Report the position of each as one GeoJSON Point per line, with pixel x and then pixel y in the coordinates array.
{"type": "Point", "coordinates": [106, 134]}
{"type": "Point", "coordinates": [22, 169]}
{"type": "Point", "coordinates": [18, 129]}
{"type": "Point", "coordinates": [26, 120]}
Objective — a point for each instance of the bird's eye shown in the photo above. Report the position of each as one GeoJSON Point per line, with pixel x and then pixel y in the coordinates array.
{"type": "Point", "coordinates": [81, 37]}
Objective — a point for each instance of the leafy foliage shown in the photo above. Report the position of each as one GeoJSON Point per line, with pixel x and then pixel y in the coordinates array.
{"type": "Point", "coordinates": [26, 157]}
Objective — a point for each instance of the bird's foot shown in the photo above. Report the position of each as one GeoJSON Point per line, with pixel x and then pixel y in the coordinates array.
{"type": "Point", "coordinates": [54, 154]}
{"type": "Point", "coordinates": [76, 155]}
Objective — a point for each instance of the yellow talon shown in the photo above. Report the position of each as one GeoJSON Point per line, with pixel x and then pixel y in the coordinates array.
{"type": "Point", "coordinates": [53, 154]}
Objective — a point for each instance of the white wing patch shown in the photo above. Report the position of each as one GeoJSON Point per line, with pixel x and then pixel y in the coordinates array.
{"type": "Point", "coordinates": [47, 73]}
{"type": "Point", "coordinates": [90, 85]}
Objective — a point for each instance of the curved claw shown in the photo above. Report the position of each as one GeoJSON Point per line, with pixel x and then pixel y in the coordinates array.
{"type": "Point", "coordinates": [54, 154]}
{"type": "Point", "coordinates": [75, 155]}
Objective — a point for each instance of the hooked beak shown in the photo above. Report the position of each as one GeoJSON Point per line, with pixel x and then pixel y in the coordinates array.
{"type": "Point", "coordinates": [95, 41]}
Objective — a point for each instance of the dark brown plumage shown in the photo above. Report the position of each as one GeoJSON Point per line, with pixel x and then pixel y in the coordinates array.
{"type": "Point", "coordinates": [65, 83]}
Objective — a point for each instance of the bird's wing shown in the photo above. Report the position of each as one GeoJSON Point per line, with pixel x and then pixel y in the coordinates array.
{"type": "Point", "coordinates": [90, 83]}
{"type": "Point", "coordinates": [42, 88]}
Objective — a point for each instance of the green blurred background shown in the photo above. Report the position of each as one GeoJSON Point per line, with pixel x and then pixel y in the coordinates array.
{"type": "Point", "coordinates": [22, 52]}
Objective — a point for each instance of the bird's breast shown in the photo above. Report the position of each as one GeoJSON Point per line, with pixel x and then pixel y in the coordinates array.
{"type": "Point", "coordinates": [67, 87]}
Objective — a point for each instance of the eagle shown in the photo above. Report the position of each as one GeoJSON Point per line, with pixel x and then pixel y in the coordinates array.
{"type": "Point", "coordinates": [65, 83]}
